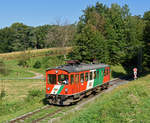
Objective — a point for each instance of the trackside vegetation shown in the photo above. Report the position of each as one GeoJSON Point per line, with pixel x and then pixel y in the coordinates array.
{"type": "Point", "coordinates": [127, 103]}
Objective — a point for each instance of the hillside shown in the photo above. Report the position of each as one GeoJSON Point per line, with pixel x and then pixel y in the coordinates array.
{"type": "Point", "coordinates": [127, 103]}
{"type": "Point", "coordinates": [36, 53]}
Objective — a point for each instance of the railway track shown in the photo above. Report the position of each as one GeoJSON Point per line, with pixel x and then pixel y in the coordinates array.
{"type": "Point", "coordinates": [21, 118]}
{"type": "Point", "coordinates": [113, 83]}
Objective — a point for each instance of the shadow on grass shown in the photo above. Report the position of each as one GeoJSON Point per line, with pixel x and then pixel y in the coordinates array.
{"type": "Point", "coordinates": [117, 74]}
{"type": "Point", "coordinates": [129, 75]}
{"type": "Point", "coordinates": [143, 73]}
{"type": "Point", "coordinates": [45, 101]}
{"type": "Point", "coordinates": [123, 76]}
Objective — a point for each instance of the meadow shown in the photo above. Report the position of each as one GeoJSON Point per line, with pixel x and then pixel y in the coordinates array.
{"type": "Point", "coordinates": [127, 103]}
{"type": "Point", "coordinates": [19, 96]}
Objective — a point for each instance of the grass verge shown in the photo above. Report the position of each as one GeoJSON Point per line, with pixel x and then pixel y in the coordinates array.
{"type": "Point", "coordinates": [15, 108]}
{"type": "Point", "coordinates": [127, 103]}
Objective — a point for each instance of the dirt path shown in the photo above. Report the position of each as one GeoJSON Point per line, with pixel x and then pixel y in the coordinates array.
{"type": "Point", "coordinates": [37, 76]}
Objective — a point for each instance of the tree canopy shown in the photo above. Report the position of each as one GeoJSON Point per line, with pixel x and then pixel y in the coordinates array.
{"type": "Point", "coordinates": [110, 35]}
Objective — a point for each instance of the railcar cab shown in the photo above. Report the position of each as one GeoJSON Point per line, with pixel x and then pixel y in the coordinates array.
{"type": "Point", "coordinates": [57, 81]}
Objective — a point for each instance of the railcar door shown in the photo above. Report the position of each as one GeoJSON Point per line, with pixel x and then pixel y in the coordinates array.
{"type": "Point", "coordinates": [74, 81]}
{"type": "Point", "coordinates": [76, 84]}
{"type": "Point", "coordinates": [101, 76]}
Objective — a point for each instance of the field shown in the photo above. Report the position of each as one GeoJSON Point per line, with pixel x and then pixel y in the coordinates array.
{"type": "Point", "coordinates": [19, 96]}
{"type": "Point", "coordinates": [35, 53]}
{"type": "Point", "coordinates": [129, 103]}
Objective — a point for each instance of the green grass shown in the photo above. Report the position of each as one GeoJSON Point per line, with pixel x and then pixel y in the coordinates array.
{"type": "Point", "coordinates": [13, 108]}
{"type": "Point", "coordinates": [127, 103]}
{"type": "Point", "coordinates": [46, 62]}
{"type": "Point", "coordinates": [15, 71]}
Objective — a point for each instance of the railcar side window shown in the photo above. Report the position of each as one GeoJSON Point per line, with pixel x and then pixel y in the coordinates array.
{"type": "Point", "coordinates": [94, 74]}
{"type": "Point", "coordinates": [72, 79]}
{"type": "Point", "coordinates": [77, 78]}
{"type": "Point", "coordinates": [82, 77]}
{"type": "Point", "coordinates": [91, 76]}
{"type": "Point", "coordinates": [102, 72]}
{"type": "Point", "coordinates": [52, 78]}
{"type": "Point", "coordinates": [86, 76]}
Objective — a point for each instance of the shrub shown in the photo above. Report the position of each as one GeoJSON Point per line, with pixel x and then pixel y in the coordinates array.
{"type": "Point", "coordinates": [2, 94]}
{"type": "Point", "coordinates": [48, 53]}
{"type": "Point", "coordinates": [37, 64]}
{"type": "Point", "coordinates": [3, 69]}
{"type": "Point", "coordinates": [24, 58]}
{"type": "Point", "coordinates": [33, 94]}
{"type": "Point", "coordinates": [22, 63]}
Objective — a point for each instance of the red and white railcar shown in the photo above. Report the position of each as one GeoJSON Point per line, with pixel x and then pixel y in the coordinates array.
{"type": "Point", "coordinates": [69, 83]}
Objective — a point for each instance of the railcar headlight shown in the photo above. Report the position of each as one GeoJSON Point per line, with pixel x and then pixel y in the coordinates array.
{"type": "Point", "coordinates": [66, 89]}
{"type": "Point", "coordinates": [48, 89]}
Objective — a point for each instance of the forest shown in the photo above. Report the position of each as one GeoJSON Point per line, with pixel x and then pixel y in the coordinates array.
{"type": "Point", "coordinates": [109, 35]}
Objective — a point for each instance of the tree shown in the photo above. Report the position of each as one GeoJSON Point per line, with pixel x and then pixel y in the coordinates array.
{"type": "Point", "coordinates": [21, 37]}
{"type": "Point", "coordinates": [39, 36]}
{"type": "Point", "coordinates": [110, 35]}
{"type": "Point", "coordinates": [60, 35]}
{"type": "Point", "coordinates": [146, 18]}
{"type": "Point", "coordinates": [90, 45]}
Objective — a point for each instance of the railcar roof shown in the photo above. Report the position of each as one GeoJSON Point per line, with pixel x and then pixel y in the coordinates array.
{"type": "Point", "coordinates": [80, 67]}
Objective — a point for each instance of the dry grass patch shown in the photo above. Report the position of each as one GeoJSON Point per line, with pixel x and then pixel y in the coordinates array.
{"type": "Point", "coordinates": [17, 89]}
{"type": "Point", "coordinates": [37, 52]}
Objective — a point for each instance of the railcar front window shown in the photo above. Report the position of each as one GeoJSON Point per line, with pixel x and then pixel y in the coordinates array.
{"type": "Point", "coordinates": [52, 78]}
{"type": "Point", "coordinates": [63, 79]}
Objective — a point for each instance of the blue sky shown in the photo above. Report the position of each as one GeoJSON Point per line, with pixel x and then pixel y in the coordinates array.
{"type": "Point", "coordinates": [40, 12]}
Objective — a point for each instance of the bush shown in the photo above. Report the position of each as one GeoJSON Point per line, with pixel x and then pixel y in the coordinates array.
{"type": "Point", "coordinates": [22, 63]}
{"type": "Point", "coordinates": [3, 69]}
{"type": "Point", "coordinates": [2, 94]}
{"type": "Point", "coordinates": [37, 64]}
{"type": "Point", "coordinates": [33, 94]}
{"type": "Point", "coordinates": [24, 58]}
{"type": "Point", "coordinates": [48, 53]}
